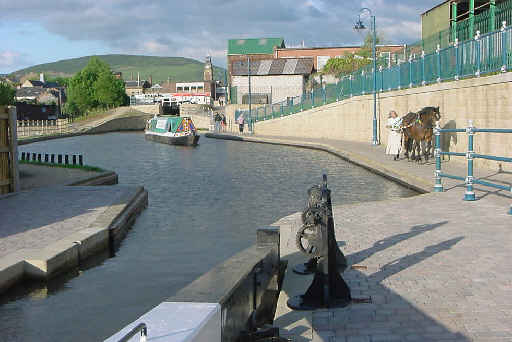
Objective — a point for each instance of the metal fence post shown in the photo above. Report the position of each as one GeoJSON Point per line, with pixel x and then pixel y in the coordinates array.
{"type": "Point", "coordinates": [281, 107]}
{"type": "Point", "coordinates": [399, 76]}
{"type": "Point", "coordinates": [504, 47]}
{"type": "Point", "coordinates": [302, 102]}
{"type": "Point", "coordinates": [313, 98]}
{"type": "Point", "coordinates": [423, 82]}
{"type": "Point", "coordinates": [469, 195]}
{"type": "Point", "coordinates": [325, 94]}
{"type": "Point", "coordinates": [438, 52]}
{"type": "Point", "coordinates": [410, 71]}
{"type": "Point", "coordinates": [381, 70]}
{"type": "Point", "coordinates": [457, 59]}
{"type": "Point", "coordinates": [438, 186]}
{"type": "Point", "coordinates": [350, 84]}
{"type": "Point", "coordinates": [364, 83]}
{"type": "Point", "coordinates": [477, 51]}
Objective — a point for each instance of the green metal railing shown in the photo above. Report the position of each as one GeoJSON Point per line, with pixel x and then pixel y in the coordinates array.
{"type": "Point", "coordinates": [484, 54]}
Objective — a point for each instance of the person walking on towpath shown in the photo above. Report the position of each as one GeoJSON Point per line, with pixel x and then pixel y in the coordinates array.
{"type": "Point", "coordinates": [394, 136]}
{"type": "Point", "coordinates": [217, 120]}
{"type": "Point", "coordinates": [241, 122]}
{"type": "Point", "coordinates": [223, 122]}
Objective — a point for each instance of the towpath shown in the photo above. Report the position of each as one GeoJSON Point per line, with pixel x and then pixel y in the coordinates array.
{"type": "Point", "coordinates": [436, 268]}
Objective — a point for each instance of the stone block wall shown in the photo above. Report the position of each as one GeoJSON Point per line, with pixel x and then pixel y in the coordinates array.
{"type": "Point", "coordinates": [485, 100]}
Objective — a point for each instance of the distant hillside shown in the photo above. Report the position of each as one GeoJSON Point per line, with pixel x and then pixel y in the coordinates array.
{"type": "Point", "coordinates": [160, 68]}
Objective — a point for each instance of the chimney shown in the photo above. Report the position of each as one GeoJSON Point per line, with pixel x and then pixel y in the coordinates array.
{"type": "Point", "coordinates": [41, 77]}
{"type": "Point", "coordinates": [138, 79]}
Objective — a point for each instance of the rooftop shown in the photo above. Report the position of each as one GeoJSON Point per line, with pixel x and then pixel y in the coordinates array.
{"type": "Point", "coordinates": [282, 66]}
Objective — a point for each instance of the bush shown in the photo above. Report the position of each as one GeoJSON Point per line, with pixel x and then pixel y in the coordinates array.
{"type": "Point", "coordinates": [7, 94]}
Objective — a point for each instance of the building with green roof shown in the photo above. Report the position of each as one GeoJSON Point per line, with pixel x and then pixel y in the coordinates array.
{"type": "Point", "coordinates": [255, 49]}
{"type": "Point", "coordinates": [254, 46]}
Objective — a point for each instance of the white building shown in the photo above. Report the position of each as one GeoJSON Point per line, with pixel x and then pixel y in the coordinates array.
{"type": "Point", "coordinates": [272, 80]}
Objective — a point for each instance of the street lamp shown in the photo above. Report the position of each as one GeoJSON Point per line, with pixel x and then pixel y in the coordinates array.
{"type": "Point", "coordinates": [359, 27]}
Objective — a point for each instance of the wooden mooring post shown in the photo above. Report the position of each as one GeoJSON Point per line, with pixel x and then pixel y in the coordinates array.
{"type": "Point", "coordinates": [9, 172]}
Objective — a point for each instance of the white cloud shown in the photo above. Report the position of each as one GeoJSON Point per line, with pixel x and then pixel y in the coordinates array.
{"type": "Point", "coordinates": [200, 27]}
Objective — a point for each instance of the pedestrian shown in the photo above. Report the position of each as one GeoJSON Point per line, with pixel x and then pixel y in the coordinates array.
{"type": "Point", "coordinates": [394, 136]}
{"type": "Point", "coordinates": [241, 122]}
{"type": "Point", "coordinates": [217, 119]}
{"type": "Point", "coordinates": [223, 122]}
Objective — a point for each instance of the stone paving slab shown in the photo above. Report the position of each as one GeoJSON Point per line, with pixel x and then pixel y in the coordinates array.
{"type": "Point", "coordinates": [52, 228]}
{"type": "Point", "coordinates": [437, 269]}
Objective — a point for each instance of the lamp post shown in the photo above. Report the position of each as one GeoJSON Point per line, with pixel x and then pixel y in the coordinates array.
{"type": "Point", "coordinates": [249, 119]}
{"type": "Point", "coordinates": [359, 26]}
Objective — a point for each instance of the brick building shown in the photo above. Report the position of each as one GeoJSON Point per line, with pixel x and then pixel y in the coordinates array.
{"type": "Point", "coordinates": [321, 55]}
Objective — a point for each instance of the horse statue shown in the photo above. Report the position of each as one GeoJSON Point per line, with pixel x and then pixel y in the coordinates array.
{"type": "Point", "coordinates": [418, 131]}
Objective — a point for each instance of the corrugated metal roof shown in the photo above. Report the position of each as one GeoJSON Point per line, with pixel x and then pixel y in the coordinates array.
{"type": "Point", "coordinates": [254, 46]}
{"type": "Point", "coordinates": [289, 66]}
{"type": "Point", "coordinates": [264, 67]}
{"type": "Point", "coordinates": [282, 66]}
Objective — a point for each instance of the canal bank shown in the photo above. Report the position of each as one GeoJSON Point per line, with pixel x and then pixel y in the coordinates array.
{"type": "Point", "coordinates": [62, 217]}
{"type": "Point", "coordinates": [434, 267]}
{"type": "Point", "coordinates": [50, 230]}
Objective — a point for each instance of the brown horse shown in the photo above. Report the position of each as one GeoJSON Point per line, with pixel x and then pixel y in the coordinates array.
{"type": "Point", "coordinates": [418, 132]}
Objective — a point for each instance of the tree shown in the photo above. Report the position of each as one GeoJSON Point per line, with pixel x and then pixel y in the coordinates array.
{"type": "Point", "coordinates": [351, 62]}
{"type": "Point", "coordinates": [7, 94]}
{"type": "Point", "coordinates": [94, 87]}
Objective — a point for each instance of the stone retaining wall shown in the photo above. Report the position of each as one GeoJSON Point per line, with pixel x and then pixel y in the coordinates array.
{"type": "Point", "coordinates": [485, 100]}
{"type": "Point", "coordinates": [131, 123]}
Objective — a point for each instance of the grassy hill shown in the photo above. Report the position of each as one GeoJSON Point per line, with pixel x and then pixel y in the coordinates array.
{"type": "Point", "coordinates": [160, 68]}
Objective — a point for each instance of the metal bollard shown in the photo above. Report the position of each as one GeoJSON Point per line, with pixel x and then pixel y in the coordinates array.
{"type": "Point", "coordinates": [328, 289]}
{"type": "Point", "coordinates": [66, 159]}
{"type": "Point", "coordinates": [46, 157]}
{"type": "Point", "coordinates": [34, 157]}
{"type": "Point", "coordinates": [52, 158]}
{"type": "Point", "coordinates": [22, 155]}
{"type": "Point", "coordinates": [39, 157]}
{"type": "Point", "coordinates": [74, 159]}
{"type": "Point", "coordinates": [469, 195]}
{"type": "Point", "coordinates": [80, 160]}
{"type": "Point", "coordinates": [59, 159]}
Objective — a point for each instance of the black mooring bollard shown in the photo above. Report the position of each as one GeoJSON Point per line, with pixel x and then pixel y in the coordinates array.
{"type": "Point", "coordinates": [328, 289]}
{"type": "Point", "coordinates": [46, 157]}
{"type": "Point", "coordinates": [59, 159]}
{"type": "Point", "coordinates": [66, 159]}
{"type": "Point", "coordinates": [309, 267]}
{"type": "Point", "coordinates": [81, 160]}
{"type": "Point", "coordinates": [52, 159]}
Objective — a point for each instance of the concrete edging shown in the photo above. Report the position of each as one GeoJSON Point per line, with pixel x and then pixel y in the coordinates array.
{"type": "Point", "coordinates": [107, 230]}
{"type": "Point", "coordinates": [408, 181]}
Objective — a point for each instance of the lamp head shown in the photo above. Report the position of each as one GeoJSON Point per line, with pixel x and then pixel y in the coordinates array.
{"type": "Point", "coordinates": [359, 26]}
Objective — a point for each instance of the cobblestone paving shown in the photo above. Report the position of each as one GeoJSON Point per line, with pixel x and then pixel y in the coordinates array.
{"type": "Point", "coordinates": [34, 219]}
{"type": "Point", "coordinates": [437, 269]}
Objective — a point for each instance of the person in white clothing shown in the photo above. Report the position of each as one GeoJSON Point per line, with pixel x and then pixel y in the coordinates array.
{"type": "Point", "coordinates": [394, 136]}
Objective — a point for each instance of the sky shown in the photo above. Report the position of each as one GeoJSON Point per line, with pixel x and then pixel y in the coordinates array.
{"type": "Point", "coordinates": [36, 31]}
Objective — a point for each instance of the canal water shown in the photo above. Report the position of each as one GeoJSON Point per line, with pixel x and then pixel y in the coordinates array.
{"type": "Point", "coordinates": [205, 204]}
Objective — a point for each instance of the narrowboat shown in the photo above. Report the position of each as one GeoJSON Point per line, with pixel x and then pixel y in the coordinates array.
{"type": "Point", "coordinates": [173, 130]}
